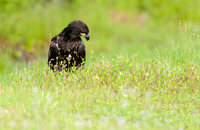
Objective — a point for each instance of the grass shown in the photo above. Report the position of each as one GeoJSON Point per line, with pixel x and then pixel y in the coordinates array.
{"type": "Point", "coordinates": [158, 92]}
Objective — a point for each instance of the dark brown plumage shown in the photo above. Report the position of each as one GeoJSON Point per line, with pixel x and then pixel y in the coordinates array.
{"type": "Point", "coordinates": [67, 50]}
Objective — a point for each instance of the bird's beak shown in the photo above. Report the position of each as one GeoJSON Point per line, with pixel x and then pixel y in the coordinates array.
{"type": "Point", "coordinates": [87, 36]}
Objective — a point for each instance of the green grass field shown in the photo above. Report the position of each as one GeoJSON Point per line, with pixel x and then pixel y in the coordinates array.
{"type": "Point", "coordinates": [142, 68]}
{"type": "Point", "coordinates": [158, 92]}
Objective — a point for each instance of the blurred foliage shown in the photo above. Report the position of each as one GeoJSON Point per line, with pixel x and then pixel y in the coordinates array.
{"type": "Point", "coordinates": [30, 23]}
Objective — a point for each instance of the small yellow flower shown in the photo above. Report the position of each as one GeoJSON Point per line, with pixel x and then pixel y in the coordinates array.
{"type": "Point", "coordinates": [97, 77]}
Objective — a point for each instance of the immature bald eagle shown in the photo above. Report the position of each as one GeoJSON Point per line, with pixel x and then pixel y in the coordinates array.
{"type": "Point", "coordinates": [67, 50]}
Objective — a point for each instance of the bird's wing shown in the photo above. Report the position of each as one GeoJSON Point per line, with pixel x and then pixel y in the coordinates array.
{"type": "Point", "coordinates": [81, 51]}
{"type": "Point", "coordinates": [54, 51]}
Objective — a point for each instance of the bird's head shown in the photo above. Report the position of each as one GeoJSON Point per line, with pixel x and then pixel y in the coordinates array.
{"type": "Point", "coordinates": [78, 28]}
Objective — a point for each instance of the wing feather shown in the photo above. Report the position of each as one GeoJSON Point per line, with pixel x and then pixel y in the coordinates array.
{"type": "Point", "coordinates": [53, 52]}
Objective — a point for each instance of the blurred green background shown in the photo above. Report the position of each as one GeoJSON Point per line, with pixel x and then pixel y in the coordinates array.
{"type": "Point", "coordinates": [117, 27]}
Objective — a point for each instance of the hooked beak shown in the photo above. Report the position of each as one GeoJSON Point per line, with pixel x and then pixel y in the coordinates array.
{"type": "Point", "coordinates": [87, 36]}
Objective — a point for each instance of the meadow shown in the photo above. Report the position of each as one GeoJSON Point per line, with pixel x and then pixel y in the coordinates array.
{"type": "Point", "coordinates": [142, 68]}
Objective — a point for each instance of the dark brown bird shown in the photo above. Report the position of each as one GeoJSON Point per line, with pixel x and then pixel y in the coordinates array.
{"type": "Point", "coordinates": [67, 50]}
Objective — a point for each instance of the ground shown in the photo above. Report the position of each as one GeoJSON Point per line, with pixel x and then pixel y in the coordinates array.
{"type": "Point", "coordinates": [123, 92]}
